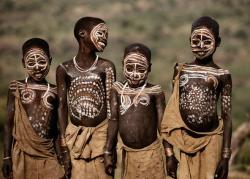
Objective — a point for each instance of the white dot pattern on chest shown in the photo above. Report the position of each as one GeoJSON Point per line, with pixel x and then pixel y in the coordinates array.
{"type": "Point", "coordinates": [86, 96]}
{"type": "Point", "coordinates": [199, 100]}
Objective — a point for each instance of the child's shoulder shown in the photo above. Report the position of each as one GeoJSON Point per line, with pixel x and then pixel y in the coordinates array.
{"type": "Point", "coordinates": [53, 88]}
{"type": "Point", "coordinates": [66, 65]}
{"type": "Point", "coordinates": [149, 89]}
{"type": "Point", "coordinates": [213, 69]}
{"type": "Point", "coordinates": [154, 89]}
{"type": "Point", "coordinates": [222, 70]}
{"type": "Point", "coordinates": [106, 63]}
{"type": "Point", "coordinates": [14, 84]}
{"type": "Point", "coordinates": [68, 62]}
{"type": "Point", "coordinates": [118, 86]}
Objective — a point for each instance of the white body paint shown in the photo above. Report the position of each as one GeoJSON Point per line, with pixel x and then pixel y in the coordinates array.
{"type": "Point", "coordinates": [39, 117]}
{"type": "Point", "coordinates": [135, 68]}
{"type": "Point", "coordinates": [202, 42]}
{"type": "Point", "coordinates": [196, 97]}
{"type": "Point", "coordinates": [36, 63]}
{"type": "Point", "coordinates": [99, 36]}
{"type": "Point", "coordinates": [134, 96]}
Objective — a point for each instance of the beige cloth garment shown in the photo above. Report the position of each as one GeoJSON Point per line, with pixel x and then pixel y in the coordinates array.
{"type": "Point", "coordinates": [145, 163]}
{"type": "Point", "coordinates": [86, 150]}
{"type": "Point", "coordinates": [198, 156]}
{"type": "Point", "coordinates": [33, 157]}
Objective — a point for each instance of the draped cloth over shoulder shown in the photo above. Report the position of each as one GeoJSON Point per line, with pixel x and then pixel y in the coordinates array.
{"type": "Point", "coordinates": [199, 156]}
{"type": "Point", "coordinates": [143, 163]}
{"type": "Point", "coordinates": [33, 157]}
{"type": "Point", "coordinates": [86, 150]}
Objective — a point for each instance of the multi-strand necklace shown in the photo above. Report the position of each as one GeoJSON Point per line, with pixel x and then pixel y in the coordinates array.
{"type": "Point", "coordinates": [126, 101]}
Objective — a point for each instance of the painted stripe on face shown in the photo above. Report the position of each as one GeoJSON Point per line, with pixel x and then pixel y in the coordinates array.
{"type": "Point", "coordinates": [36, 63]}
{"type": "Point", "coordinates": [202, 42]}
{"type": "Point", "coordinates": [135, 68]}
{"type": "Point", "coordinates": [99, 36]}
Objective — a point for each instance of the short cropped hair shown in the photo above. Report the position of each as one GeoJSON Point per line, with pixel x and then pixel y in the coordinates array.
{"type": "Point", "coordinates": [86, 23]}
{"type": "Point", "coordinates": [36, 42]}
{"type": "Point", "coordinates": [139, 48]}
{"type": "Point", "coordinates": [209, 22]}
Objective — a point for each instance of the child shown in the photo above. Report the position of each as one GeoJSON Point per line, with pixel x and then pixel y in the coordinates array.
{"type": "Point", "coordinates": [136, 112]}
{"type": "Point", "coordinates": [31, 128]}
{"type": "Point", "coordinates": [191, 121]}
{"type": "Point", "coordinates": [84, 85]}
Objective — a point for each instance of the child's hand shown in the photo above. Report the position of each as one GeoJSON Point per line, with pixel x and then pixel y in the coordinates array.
{"type": "Point", "coordinates": [66, 162]}
{"type": "Point", "coordinates": [109, 164]}
{"type": "Point", "coordinates": [222, 169]}
{"type": "Point", "coordinates": [172, 164]}
{"type": "Point", "coordinates": [7, 168]}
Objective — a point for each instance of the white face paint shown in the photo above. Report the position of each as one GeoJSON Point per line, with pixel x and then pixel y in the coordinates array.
{"type": "Point", "coordinates": [99, 36]}
{"type": "Point", "coordinates": [36, 63]}
{"type": "Point", "coordinates": [135, 69]}
{"type": "Point", "coordinates": [202, 43]}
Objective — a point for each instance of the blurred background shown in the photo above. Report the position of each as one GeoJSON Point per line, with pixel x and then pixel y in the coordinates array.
{"type": "Point", "coordinates": [163, 25]}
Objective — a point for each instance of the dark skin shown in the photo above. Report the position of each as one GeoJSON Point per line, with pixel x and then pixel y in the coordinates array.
{"type": "Point", "coordinates": [32, 109]}
{"type": "Point", "coordinates": [209, 121]}
{"type": "Point", "coordinates": [137, 127]}
{"type": "Point", "coordinates": [85, 58]}
{"type": "Point", "coordinates": [171, 161]}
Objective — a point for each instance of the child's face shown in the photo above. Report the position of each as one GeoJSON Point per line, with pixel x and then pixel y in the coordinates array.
{"type": "Point", "coordinates": [99, 36]}
{"type": "Point", "coordinates": [202, 42]}
{"type": "Point", "coordinates": [135, 69]}
{"type": "Point", "coordinates": [37, 63]}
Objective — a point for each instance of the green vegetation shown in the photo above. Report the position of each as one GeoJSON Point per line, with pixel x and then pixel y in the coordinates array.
{"type": "Point", "coordinates": [163, 25]}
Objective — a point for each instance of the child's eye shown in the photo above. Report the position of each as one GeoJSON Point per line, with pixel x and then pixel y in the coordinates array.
{"type": "Point", "coordinates": [129, 68]}
{"type": "Point", "coordinates": [142, 70]}
{"type": "Point", "coordinates": [195, 41]}
{"type": "Point", "coordinates": [42, 62]}
{"type": "Point", "coordinates": [99, 33]}
{"type": "Point", "coordinates": [31, 63]}
{"type": "Point", "coordinates": [207, 42]}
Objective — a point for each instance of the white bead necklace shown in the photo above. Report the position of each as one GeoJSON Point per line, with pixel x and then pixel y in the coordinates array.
{"type": "Point", "coordinates": [93, 66]}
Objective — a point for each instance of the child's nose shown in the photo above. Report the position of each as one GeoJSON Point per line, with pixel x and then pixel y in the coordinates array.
{"type": "Point", "coordinates": [37, 67]}
{"type": "Point", "coordinates": [201, 44]}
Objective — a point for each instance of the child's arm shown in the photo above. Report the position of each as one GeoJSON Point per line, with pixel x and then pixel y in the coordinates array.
{"type": "Point", "coordinates": [61, 76]}
{"type": "Point", "coordinates": [8, 138]}
{"type": "Point", "coordinates": [56, 135]}
{"type": "Point", "coordinates": [110, 79]}
{"type": "Point", "coordinates": [171, 161]}
{"type": "Point", "coordinates": [160, 106]}
{"type": "Point", "coordinates": [222, 168]}
{"type": "Point", "coordinates": [110, 147]}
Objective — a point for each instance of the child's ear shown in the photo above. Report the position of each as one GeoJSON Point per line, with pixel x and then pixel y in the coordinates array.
{"type": "Point", "coordinates": [23, 63]}
{"type": "Point", "coordinates": [82, 33]}
{"type": "Point", "coordinates": [122, 63]}
{"type": "Point", "coordinates": [149, 68]}
{"type": "Point", "coordinates": [50, 59]}
{"type": "Point", "coordinates": [218, 41]}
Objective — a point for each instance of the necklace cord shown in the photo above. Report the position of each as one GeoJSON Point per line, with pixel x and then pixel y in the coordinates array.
{"type": "Point", "coordinates": [92, 67]}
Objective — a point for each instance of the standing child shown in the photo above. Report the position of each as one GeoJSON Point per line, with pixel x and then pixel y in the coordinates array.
{"type": "Point", "coordinates": [84, 85]}
{"type": "Point", "coordinates": [31, 127]}
{"type": "Point", "coordinates": [191, 122]}
{"type": "Point", "coordinates": [136, 112]}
